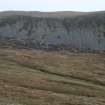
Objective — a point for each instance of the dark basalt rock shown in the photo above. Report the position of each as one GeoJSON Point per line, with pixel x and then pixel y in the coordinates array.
{"type": "Point", "coordinates": [84, 31]}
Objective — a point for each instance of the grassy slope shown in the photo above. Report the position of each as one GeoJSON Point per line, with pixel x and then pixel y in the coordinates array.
{"type": "Point", "coordinates": [52, 78]}
{"type": "Point", "coordinates": [41, 14]}
{"type": "Point", "coordinates": [57, 14]}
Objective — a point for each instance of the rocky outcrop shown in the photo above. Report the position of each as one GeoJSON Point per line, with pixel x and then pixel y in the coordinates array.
{"type": "Point", "coordinates": [84, 31]}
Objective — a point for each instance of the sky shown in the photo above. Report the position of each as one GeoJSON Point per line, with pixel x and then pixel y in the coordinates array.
{"type": "Point", "coordinates": [52, 5]}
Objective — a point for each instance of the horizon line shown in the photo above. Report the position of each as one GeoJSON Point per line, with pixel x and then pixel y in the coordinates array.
{"type": "Point", "coordinates": [49, 11]}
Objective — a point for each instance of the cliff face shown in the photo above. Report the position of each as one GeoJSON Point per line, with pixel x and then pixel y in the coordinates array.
{"type": "Point", "coordinates": [82, 31]}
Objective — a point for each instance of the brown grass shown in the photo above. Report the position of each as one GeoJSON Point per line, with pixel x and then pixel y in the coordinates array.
{"type": "Point", "coordinates": [32, 77]}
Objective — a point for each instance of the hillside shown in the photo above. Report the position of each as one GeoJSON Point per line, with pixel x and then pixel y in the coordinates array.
{"type": "Point", "coordinates": [56, 30]}
{"type": "Point", "coordinates": [34, 77]}
{"type": "Point", "coordinates": [55, 58]}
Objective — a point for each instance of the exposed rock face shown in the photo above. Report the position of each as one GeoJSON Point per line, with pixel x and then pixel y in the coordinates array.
{"type": "Point", "coordinates": [82, 31]}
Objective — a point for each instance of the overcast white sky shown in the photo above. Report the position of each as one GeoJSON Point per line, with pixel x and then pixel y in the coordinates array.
{"type": "Point", "coordinates": [53, 5]}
